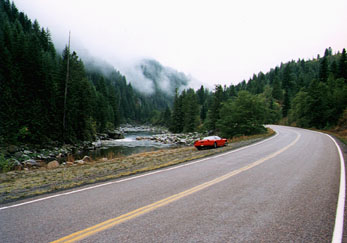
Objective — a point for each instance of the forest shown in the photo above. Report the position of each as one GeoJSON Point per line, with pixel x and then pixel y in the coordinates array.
{"type": "Point", "coordinates": [40, 105]}
{"type": "Point", "coordinates": [303, 93]}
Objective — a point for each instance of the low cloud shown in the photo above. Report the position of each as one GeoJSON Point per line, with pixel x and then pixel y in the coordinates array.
{"type": "Point", "coordinates": [145, 75]}
{"type": "Point", "coordinates": [149, 76]}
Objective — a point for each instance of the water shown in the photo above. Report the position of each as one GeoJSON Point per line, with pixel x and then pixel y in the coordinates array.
{"type": "Point", "coordinates": [128, 145]}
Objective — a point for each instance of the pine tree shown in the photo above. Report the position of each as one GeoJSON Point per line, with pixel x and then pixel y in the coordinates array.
{"type": "Point", "coordinates": [191, 111]}
{"type": "Point", "coordinates": [277, 92]}
{"type": "Point", "coordinates": [78, 105]}
{"type": "Point", "coordinates": [300, 112]}
{"type": "Point", "coordinates": [343, 65]}
{"type": "Point", "coordinates": [214, 112]}
{"type": "Point", "coordinates": [177, 118]}
{"type": "Point", "coordinates": [286, 103]}
{"type": "Point", "coordinates": [319, 111]}
{"type": "Point", "coordinates": [201, 95]}
{"type": "Point", "coordinates": [323, 69]}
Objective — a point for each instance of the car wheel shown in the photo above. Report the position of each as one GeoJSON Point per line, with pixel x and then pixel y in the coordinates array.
{"type": "Point", "coordinates": [199, 148]}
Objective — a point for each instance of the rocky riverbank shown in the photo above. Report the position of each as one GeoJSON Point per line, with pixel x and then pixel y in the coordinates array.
{"type": "Point", "coordinates": [35, 156]}
{"type": "Point", "coordinates": [31, 156]}
{"type": "Point", "coordinates": [128, 128]}
{"type": "Point", "coordinates": [172, 138]}
{"type": "Point", "coordinates": [24, 157]}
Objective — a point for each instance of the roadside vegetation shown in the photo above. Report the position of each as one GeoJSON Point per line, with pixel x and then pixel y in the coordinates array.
{"type": "Point", "coordinates": [340, 130]}
{"type": "Point", "coordinates": [19, 184]}
{"type": "Point", "coordinates": [5, 164]}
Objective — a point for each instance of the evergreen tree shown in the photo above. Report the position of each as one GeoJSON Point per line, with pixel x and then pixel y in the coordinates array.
{"type": "Point", "coordinates": [343, 66]}
{"type": "Point", "coordinates": [203, 112]}
{"type": "Point", "coordinates": [78, 123]}
{"type": "Point", "coordinates": [167, 117]}
{"type": "Point", "coordinates": [300, 112]}
{"type": "Point", "coordinates": [177, 119]}
{"type": "Point", "coordinates": [191, 111]}
{"type": "Point", "coordinates": [286, 103]}
{"type": "Point", "coordinates": [318, 107]}
{"type": "Point", "coordinates": [214, 112]}
{"type": "Point", "coordinates": [277, 92]}
{"type": "Point", "coordinates": [201, 95]}
{"type": "Point", "coordinates": [323, 69]}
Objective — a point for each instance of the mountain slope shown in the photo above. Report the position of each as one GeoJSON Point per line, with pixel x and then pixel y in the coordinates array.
{"type": "Point", "coordinates": [38, 104]}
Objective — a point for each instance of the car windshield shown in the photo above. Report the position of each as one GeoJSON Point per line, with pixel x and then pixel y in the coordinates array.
{"type": "Point", "coordinates": [211, 138]}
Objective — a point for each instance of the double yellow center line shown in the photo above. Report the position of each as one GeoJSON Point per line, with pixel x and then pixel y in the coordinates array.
{"type": "Point", "coordinates": [140, 211]}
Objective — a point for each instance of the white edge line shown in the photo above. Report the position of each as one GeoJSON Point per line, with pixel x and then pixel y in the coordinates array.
{"type": "Point", "coordinates": [136, 177]}
{"type": "Point", "coordinates": [338, 228]}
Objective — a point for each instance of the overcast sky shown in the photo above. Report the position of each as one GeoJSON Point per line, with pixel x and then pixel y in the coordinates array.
{"type": "Point", "coordinates": [214, 41]}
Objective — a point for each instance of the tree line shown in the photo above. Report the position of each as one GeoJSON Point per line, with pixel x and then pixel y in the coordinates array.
{"type": "Point", "coordinates": [32, 89]}
{"type": "Point", "coordinates": [308, 94]}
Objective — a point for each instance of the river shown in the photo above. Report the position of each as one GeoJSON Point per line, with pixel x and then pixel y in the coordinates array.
{"type": "Point", "coordinates": [121, 147]}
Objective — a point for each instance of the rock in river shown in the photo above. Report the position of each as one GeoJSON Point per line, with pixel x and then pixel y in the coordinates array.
{"type": "Point", "coordinates": [115, 135]}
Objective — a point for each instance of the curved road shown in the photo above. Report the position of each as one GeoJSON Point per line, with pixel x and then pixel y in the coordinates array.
{"type": "Point", "coordinates": [283, 189]}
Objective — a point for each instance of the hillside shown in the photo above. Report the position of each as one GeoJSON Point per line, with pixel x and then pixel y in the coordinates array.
{"type": "Point", "coordinates": [38, 104]}
{"type": "Point", "coordinates": [311, 93]}
{"type": "Point", "coordinates": [304, 93]}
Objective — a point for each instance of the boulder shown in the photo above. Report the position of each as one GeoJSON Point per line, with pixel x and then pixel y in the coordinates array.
{"type": "Point", "coordinates": [79, 162]}
{"type": "Point", "coordinates": [97, 144]}
{"type": "Point", "coordinates": [87, 159]}
{"type": "Point", "coordinates": [18, 155]}
{"type": "Point", "coordinates": [41, 163]}
{"type": "Point", "coordinates": [30, 163]}
{"type": "Point", "coordinates": [102, 136]}
{"type": "Point", "coordinates": [60, 155]}
{"type": "Point", "coordinates": [182, 141]}
{"type": "Point", "coordinates": [115, 135]}
{"type": "Point", "coordinates": [16, 164]}
{"type": "Point", "coordinates": [27, 152]}
{"type": "Point", "coordinates": [41, 156]}
{"type": "Point", "coordinates": [53, 164]}
{"type": "Point", "coordinates": [12, 149]}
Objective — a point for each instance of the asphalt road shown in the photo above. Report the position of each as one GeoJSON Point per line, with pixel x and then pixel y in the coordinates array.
{"type": "Point", "coordinates": [284, 189]}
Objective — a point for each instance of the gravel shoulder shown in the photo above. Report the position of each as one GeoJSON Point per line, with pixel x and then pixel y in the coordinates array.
{"type": "Point", "coordinates": [17, 185]}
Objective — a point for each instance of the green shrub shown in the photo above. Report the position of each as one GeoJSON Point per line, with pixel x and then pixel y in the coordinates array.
{"type": "Point", "coordinates": [5, 164]}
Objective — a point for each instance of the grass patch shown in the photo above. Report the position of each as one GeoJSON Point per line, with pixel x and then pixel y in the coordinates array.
{"type": "Point", "coordinates": [21, 184]}
{"type": "Point", "coordinates": [5, 164]}
{"type": "Point", "coordinates": [340, 134]}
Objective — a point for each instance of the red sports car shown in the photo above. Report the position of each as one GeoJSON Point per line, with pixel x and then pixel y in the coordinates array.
{"type": "Point", "coordinates": [211, 142]}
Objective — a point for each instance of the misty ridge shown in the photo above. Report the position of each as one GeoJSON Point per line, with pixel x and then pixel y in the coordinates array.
{"type": "Point", "coordinates": [162, 78]}
{"type": "Point", "coordinates": [147, 76]}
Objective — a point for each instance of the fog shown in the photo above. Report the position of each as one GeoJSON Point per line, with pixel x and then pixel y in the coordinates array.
{"type": "Point", "coordinates": [211, 42]}
{"type": "Point", "coordinates": [145, 75]}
